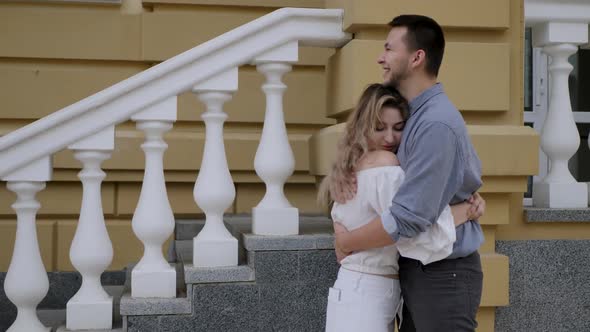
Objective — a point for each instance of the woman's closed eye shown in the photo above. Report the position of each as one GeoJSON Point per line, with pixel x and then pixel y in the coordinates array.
{"type": "Point", "coordinates": [399, 126]}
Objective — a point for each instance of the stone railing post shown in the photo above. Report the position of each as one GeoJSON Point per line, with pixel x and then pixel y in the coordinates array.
{"type": "Point", "coordinates": [91, 251]}
{"type": "Point", "coordinates": [153, 220]}
{"type": "Point", "coordinates": [274, 161]}
{"type": "Point", "coordinates": [559, 136]}
{"type": "Point", "coordinates": [26, 282]}
{"type": "Point", "coordinates": [214, 190]}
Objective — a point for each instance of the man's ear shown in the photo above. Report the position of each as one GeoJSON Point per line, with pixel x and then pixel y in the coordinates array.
{"type": "Point", "coordinates": [419, 59]}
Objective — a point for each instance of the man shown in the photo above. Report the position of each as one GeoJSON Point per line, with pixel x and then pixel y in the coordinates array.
{"type": "Point", "coordinates": [441, 168]}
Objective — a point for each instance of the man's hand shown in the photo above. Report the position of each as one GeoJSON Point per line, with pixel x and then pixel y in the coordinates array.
{"type": "Point", "coordinates": [344, 189]}
{"type": "Point", "coordinates": [477, 208]}
{"type": "Point", "coordinates": [339, 230]}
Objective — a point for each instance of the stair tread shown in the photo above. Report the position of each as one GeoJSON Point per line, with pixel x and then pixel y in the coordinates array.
{"type": "Point", "coordinates": [240, 273]}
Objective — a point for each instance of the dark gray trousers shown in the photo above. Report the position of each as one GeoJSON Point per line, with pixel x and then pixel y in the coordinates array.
{"type": "Point", "coordinates": [442, 296]}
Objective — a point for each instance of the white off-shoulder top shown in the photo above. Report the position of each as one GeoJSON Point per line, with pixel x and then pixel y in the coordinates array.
{"type": "Point", "coordinates": [375, 190]}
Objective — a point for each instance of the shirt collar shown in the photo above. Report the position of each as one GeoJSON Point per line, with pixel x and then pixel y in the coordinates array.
{"type": "Point", "coordinates": [422, 98]}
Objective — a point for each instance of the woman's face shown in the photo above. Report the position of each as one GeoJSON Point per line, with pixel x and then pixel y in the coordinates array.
{"type": "Point", "coordinates": [388, 134]}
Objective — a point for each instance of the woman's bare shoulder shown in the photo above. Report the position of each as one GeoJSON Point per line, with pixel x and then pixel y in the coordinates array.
{"type": "Point", "coordinates": [378, 158]}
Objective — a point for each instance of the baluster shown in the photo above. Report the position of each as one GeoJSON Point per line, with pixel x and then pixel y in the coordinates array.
{"type": "Point", "coordinates": [559, 137]}
{"type": "Point", "coordinates": [153, 220]}
{"type": "Point", "coordinates": [214, 189]}
{"type": "Point", "coordinates": [274, 161]}
{"type": "Point", "coordinates": [26, 282]}
{"type": "Point", "coordinates": [91, 251]}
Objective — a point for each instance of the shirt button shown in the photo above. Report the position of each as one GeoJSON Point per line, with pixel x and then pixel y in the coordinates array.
{"type": "Point", "coordinates": [454, 275]}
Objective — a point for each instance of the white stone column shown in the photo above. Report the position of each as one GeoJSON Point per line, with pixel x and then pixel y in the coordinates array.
{"type": "Point", "coordinates": [26, 282]}
{"type": "Point", "coordinates": [214, 190]}
{"type": "Point", "coordinates": [91, 251]}
{"type": "Point", "coordinates": [153, 220]}
{"type": "Point", "coordinates": [559, 137]}
{"type": "Point", "coordinates": [274, 161]}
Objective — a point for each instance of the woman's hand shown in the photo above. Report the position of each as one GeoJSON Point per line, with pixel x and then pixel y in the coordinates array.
{"type": "Point", "coordinates": [477, 208]}
{"type": "Point", "coordinates": [339, 230]}
{"type": "Point", "coordinates": [472, 209]}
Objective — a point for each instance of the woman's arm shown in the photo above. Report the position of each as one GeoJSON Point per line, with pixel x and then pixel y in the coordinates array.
{"type": "Point", "coordinates": [472, 209]}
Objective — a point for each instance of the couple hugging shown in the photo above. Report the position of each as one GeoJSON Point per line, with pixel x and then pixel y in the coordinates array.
{"type": "Point", "coordinates": [406, 205]}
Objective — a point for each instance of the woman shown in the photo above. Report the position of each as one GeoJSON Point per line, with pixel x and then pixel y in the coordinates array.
{"type": "Point", "coordinates": [366, 295]}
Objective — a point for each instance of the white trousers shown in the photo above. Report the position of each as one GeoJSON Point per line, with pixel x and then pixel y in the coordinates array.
{"type": "Point", "coordinates": [362, 302]}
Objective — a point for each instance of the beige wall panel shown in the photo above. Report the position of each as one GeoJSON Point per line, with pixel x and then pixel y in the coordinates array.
{"type": "Point", "coordinates": [322, 149]}
{"type": "Point", "coordinates": [506, 150]}
{"type": "Point", "coordinates": [349, 71]}
{"type": "Point", "coordinates": [470, 71]}
{"type": "Point", "coordinates": [495, 280]}
{"type": "Point", "coordinates": [180, 196]}
{"type": "Point", "coordinates": [497, 209]}
{"type": "Point", "coordinates": [190, 27]}
{"type": "Point", "coordinates": [31, 90]}
{"type": "Point", "coordinates": [460, 14]}
{"type": "Point", "coordinates": [486, 319]}
{"type": "Point", "coordinates": [476, 76]}
{"type": "Point", "coordinates": [62, 33]}
{"type": "Point", "coordinates": [304, 100]}
{"type": "Point", "coordinates": [301, 196]}
{"type": "Point", "coordinates": [209, 22]}
{"type": "Point", "coordinates": [126, 247]}
{"type": "Point", "coordinates": [489, 244]}
{"type": "Point", "coordinates": [45, 236]}
{"type": "Point", "coordinates": [60, 198]}
{"type": "Point", "coordinates": [503, 150]}
{"type": "Point", "coordinates": [504, 184]}
{"type": "Point", "coordinates": [246, 3]}
{"type": "Point", "coordinates": [519, 229]}
{"type": "Point", "coordinates": [185, 150]}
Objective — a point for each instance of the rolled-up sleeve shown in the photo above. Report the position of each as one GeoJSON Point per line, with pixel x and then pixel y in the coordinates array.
{"type": "Point", "coordinates": [433, 176]}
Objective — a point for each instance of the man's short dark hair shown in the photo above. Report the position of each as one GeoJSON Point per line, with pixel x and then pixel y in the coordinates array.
{"type": "Point", "coordinates": [423, 33]}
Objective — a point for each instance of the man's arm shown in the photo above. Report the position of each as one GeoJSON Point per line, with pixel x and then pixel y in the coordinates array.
{"type": "Point", "coordinates": [430, 183]}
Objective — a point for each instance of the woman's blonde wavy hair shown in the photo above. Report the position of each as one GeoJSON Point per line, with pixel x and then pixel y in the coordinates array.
{"type": "Point", "coordinates": [353, 144]}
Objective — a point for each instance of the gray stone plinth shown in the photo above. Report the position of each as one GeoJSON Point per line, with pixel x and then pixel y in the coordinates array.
{"type": "Point", "coordinates": [196, 275]}
{"type": "Point", "coordinates": [184, 250]}
{"type": "Point", "coordinates": [63, 329]}
{"type": "Point", "coordinates": [556, 215]}
{"type": "Point", "coordinates": [548, 286]}
{"type": "Point", "coordinates": [154, 306]}
{"type": "Point", "coordinates": [142, 324]}
{"type": "Point", "coordinates": [288, 242]}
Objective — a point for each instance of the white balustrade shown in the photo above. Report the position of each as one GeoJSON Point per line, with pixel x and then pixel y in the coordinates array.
{"type": "Point", "coordinates": [274, 161]}
{"type": "Point", "coordinates": [26, 282]}
{"type": "Point", "coordinates": [91, 251]}
{"type": "Point", "coordinates": [214, 189]}
{"type": "Point", "coordinates": [153, 220]}
{"type": "Point", "coordinates": [559, 137]}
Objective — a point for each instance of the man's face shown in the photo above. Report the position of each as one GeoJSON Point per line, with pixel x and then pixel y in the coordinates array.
{"type": "Point", "coordinates": [395, 59]}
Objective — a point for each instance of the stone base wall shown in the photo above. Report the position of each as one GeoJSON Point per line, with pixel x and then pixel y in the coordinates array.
{"type": "Point", "coordinates": [289, 294]}
{"type": "Point", "coordinates": [549, 286]}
